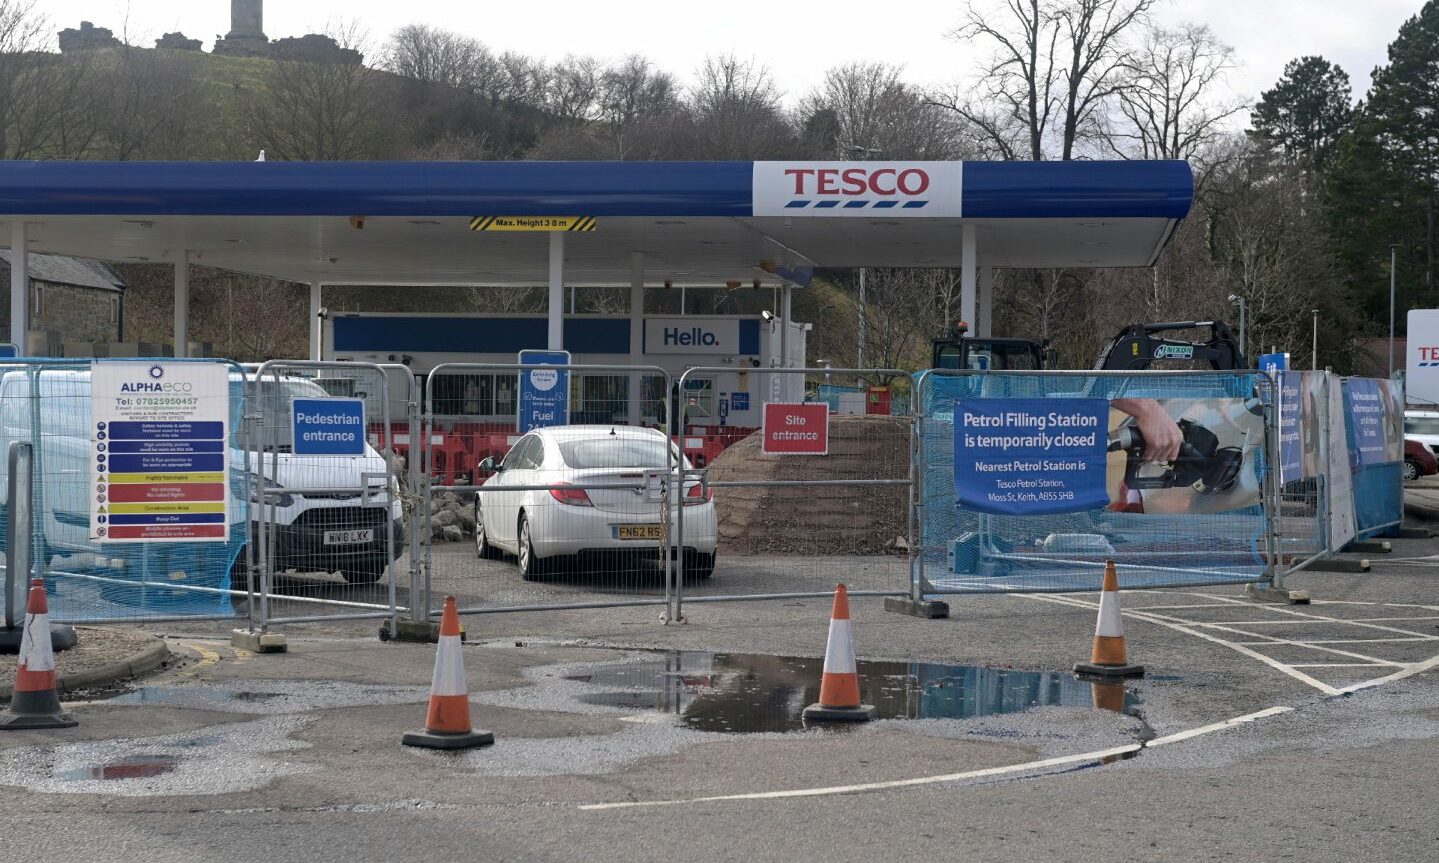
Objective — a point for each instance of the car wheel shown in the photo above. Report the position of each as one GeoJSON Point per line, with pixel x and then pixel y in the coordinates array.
{"type": "Point", "coordinates": [483, 549]}
{"type": "Point", "coordinates": [699, 566]}
{"type": "Point", "coordinates": [531, 567]}
{"type": "Point", "coordinates": [1411, 470]}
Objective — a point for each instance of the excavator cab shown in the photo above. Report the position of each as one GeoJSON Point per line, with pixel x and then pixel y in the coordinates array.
{"type": "Point", "coordinates": [957, 350]}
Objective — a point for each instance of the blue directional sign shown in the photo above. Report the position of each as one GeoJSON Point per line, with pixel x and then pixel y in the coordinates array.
{"type": "Point", "coordinates": [332, 427]}
{"type": "Point", "coordinates": [8, 351]}
{"type": "Point", "coordinates": [544, 393]}
{"type": "Point", "coordinates": [1272, 363]}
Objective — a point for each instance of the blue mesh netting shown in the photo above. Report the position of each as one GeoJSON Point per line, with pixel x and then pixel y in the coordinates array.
{"type": "Point", "coordinates": [48, 405]}
{"type": "Point", "coordinates": [968, 551]}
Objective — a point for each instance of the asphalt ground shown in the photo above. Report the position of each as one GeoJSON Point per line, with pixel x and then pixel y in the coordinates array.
{"type": "Point", "coordinates": [297, 756]}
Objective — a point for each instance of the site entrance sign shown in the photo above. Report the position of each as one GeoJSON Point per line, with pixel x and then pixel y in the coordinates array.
{"type": "Point", "coordinates": [796, 429]}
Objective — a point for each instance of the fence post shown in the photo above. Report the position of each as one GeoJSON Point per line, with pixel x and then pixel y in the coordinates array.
{"type": "Point", "coordinates": [419, 593]}
{"type": "Point", "coordinates": [915, 604]}
{"type": "Point", "coordinates": [1271, 497]}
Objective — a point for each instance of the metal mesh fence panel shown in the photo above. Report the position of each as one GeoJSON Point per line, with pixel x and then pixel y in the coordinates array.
{"type": "Point", "coordinates": [546, 486]}
{"type": "Point", "coordinates": [1197, 520]}
{"type": "Point", "coordinates": [330, 523]}
{"type": "Point", "coordinates": [1302, 523]}
{"type": "Point", "coordinates": [1374, 417]}
{"type": "Point", "coordinates": [95, 483]}
{"type": "Point", "coordinates": [795, 523]}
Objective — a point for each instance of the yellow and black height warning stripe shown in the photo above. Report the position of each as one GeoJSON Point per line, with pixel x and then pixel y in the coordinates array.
{"type": "Point", "coordinates": [570, 224]}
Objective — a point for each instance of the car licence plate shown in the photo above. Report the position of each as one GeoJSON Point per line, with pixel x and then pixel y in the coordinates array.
{"type": "Point", "coordinates": [654, 532]}
{"type": "Point", "coordinates": [349, 537]}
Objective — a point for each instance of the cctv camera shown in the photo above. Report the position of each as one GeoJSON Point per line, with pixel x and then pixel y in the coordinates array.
{"type": "Point", "coordinates": [767, 315]}
{"type": "Point", "coordinates": [323, 313]}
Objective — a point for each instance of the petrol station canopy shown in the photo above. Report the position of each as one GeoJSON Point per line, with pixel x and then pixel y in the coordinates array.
{"type": "Point", "coordinates": [696, 223]}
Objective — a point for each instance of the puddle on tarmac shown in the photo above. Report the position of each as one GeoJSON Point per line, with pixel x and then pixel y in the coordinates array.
{"type": "Point", "coordinates": [140, 767]}
{"type": "Point", "coordinates": [749, 693]}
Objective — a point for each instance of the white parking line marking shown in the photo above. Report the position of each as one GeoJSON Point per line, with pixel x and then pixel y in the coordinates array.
{"type": "Point", "coordinates": [1025, 767]}
{"type": "Point", "coordinates": [1253, 654]}
{"type": "Point", "coordinates": [1348, 664]}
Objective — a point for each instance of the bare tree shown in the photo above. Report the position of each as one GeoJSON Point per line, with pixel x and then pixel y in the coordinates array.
{"type": "Point", "coordinates": [436, 56]}
{"type": "Point", "coordinates": [318, 111]}
{"type": "Point", "coordinates": [1053, 69]}
{"type": "Point", "coordinates": [148, 105]}
{"type": "Point", "coordinates": [636, 99]}
{"type": "Point", "coordinates": [46, 100]}
{"type": "Point", "coordinates": [574, 90]}
{"type": "Point", "coordinates": [736, 108]}
{"type": "Point", "coordinates": [877, 113]}
{"type": "Point", "coordinates": [1169, 108]}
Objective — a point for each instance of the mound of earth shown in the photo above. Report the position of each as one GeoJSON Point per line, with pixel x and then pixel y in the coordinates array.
{"type": "Point", "coordinates": [818, 520]}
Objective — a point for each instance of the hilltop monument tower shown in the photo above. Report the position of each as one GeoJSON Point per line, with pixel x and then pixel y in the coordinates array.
{"type": "Point", "coordinates": [247, 30]}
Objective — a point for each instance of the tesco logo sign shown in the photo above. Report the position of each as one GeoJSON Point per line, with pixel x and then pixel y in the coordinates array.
{"type": "Point", "coordinates": [859, 181]}
{"type": "Point", "coordinates": [857, 189]}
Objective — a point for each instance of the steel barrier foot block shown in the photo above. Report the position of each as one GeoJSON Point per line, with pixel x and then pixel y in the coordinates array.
{"type": "Point", "coordinates": [1339, 564]}
{"type": "Point", "coordinates": [930, 609]}
{"type": "Point", "coordinates": [1373, 546]}
{"type": "Point", "coordinates": [1414, 533]}
{"type": "Point", "coordinates": [1264, 593]}
{"type": "Point", "coordinates": [259, 642]}
{"type": "Point", "coordinates": [820, 713]}
{"type": "Point", "coordinates": [62, 637]}
{"type": "Point", "coordinates": [437, 740]}
{"type": "Point", "coordinates": [419, 631]}
{"type": "Point", "coordinates": [1108, 672]}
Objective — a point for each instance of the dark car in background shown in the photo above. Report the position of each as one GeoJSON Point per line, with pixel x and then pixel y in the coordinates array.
{"type": "Point", "coordinates": [1419, 460]}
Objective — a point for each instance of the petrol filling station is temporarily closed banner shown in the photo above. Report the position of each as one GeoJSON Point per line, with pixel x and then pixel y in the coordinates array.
{"type": "Point", "coordinates": [159, 434]}
{"type": "Point", "coordinates": [1030, 456]}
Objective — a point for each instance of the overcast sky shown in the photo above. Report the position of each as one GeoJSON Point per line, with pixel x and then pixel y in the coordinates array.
{"type": "Point", "coordinates": [797, 40]}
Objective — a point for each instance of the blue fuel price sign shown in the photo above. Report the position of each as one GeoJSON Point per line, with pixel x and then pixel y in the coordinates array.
{"type": "Point", "coordinates": [544, 393]}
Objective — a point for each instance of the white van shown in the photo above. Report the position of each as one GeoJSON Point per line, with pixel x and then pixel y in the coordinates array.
{"type": "Point", "coordinates": [336, 531]}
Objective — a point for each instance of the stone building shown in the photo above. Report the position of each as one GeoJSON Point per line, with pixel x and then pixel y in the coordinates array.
{"type": "Point", "coordinates": [76, 304]}
{"type": "Point", "coordinates": [87, 38]}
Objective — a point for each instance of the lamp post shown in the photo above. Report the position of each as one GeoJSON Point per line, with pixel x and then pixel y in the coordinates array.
{"type": "Point", "coordinates": [862, 154]}
{"type": "Point", "coordinates": [1314, 343]}
{"type": "Point", "coordinates": [1235, 298]}
{"type": "Point", "coordinates": [1393, 263]}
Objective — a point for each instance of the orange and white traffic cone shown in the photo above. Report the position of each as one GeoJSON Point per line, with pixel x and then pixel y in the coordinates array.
{"type": "Point", "coordinates": [448, 725]}
{"type": "Point", "coordinates": [839, 688]}
{"type": "Point", "coordinates": [1108, 658]}
{"type": "Point", "coordinates": [36, 702]}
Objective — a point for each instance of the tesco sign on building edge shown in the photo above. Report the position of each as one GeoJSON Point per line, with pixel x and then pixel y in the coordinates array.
{"type": "Point", "coordinates": [865, 189]}
{"type": "Point", "coordinates": [1421, 371]}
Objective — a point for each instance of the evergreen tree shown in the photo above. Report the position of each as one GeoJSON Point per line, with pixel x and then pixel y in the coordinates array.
{"type": "Point", "coordinates": [1304, 114]}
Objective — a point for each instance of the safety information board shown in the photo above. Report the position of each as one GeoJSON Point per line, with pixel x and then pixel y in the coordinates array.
{"type": "Point", "coordinates": [159, 440]}
{"type": "Point", "coordinates": [331, 427]}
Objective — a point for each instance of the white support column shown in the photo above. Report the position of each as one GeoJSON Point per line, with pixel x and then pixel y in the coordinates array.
{"type": "Point", "coordinates": [181, 333]}
{"type": "Point", "coordinates": [985, 327]}
{"type": "Point", "coordinates": [968, 272]}
{"type": "Point", "coordinates": [633, 406]}
{"type": "Point", "coordinates": [19, 288]}
{"type": "Point", "coordinates": [787, 391]}
{"type": "Point", "coordinates": [317, 323]}
{"type": "Point", "coordinates": [557, 292]}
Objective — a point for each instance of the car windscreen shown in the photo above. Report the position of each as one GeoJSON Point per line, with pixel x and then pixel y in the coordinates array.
{"type": "Point", "coordinates": [609, 451]}
{"type": "Point", "coordinates": [275, 399]}
{"type": "Point", "coordinates": [1421, 425]}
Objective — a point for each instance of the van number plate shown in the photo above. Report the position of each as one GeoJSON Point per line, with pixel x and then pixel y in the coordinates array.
{"type": "Point", "coordinates": [349, 537]}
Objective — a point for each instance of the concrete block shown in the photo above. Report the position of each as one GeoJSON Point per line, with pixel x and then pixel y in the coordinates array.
{"type": "Point", "coordinates": [259, 642]}
{"type": "Point", "coordinates": [1265, 593]}
{"type": "Point", "coordinates": [415, 632]}
{"type": "Point", "coordinates": [1338, 564]}
{"type": "Point", "coordinates": [1413, 533]}
{"type": "Point", "coordinates": [930, 609]}
{"type": "Point", "coordinates": [1369, 546]}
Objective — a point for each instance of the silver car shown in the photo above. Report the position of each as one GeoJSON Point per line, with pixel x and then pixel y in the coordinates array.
{"type": "Point", "coordinates": [556, 516]}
